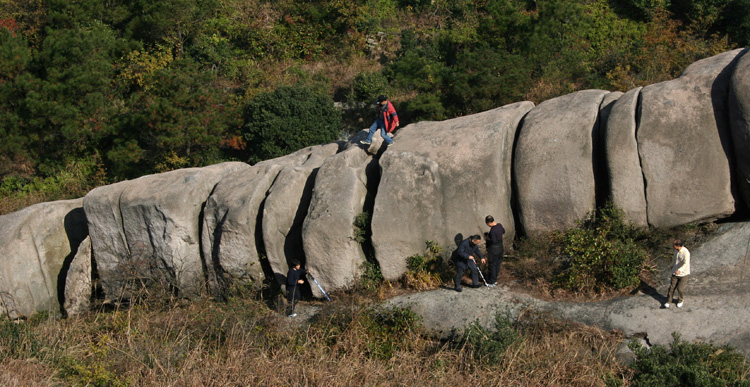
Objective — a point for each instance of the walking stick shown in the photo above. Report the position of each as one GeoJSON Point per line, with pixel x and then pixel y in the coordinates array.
{"type": "Point", "coordinates": [480, 271]}
{"type": "Point", "coordinates": [319, 287]}
{"type": "Point", "coordinates": [294, 298]}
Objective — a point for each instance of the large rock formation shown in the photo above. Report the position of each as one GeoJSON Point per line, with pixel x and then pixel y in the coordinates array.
{"type": "Point", "coordinates": [232, 221]}
{"type": "Point", "coordinates": [626, 187]}
{"type": "Point", "coordinates": [334, 255]}
{"type": "Point", "coordinates": [286, 208]}
{"type": "Point", "coordinates": [147, 231]}
{"type": "Point", "coordinates": [663, 153]}
{"type": "Point", "coordinates": [739, 119]}
{"type": "Point", "coordinates": [37, 245]}
{"type": "Point", "coordinates": [554, 162]}
{"type": "Point", "coordinates": [685, 146]}
{"type": "Point", "coordinates": [440, 179]}
{"type": "Point", "coordinates": [78, 285]}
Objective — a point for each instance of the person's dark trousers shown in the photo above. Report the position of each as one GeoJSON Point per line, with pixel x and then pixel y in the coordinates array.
{"type": "Point", "coordinates": [292, 295]}
{"type": "Point", "coordinates": [461, 266]}
{"type": "Point", "coordinates": [495, 258]}
{"type": "Point", "coordinates": [678, 283]}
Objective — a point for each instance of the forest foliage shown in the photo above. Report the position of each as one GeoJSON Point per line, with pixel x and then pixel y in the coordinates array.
{"type": "Point", "coordinates": [93, 92]}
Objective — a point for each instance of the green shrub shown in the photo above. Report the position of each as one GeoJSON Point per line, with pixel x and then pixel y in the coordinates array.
{"type": "Point", "coordinates": [426, 271]}
{"type": "Point", "coordinates": [489, 345]}
{"type": "Point", "coordinates": [362, 227]}
{"type": "Point", "coordinates": [367, 86]}
{"type": "Point", "coordinates": [288, 119]}
{"type": "Point", "coordinates": [601, 253]}
{"type": "Point", "coordinates": [390, 330]}
{"type": "Point", "coordinates": [686, 364]}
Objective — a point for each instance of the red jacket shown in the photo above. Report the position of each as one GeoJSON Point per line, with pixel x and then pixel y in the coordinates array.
{"type": "Point", "coordinates": [389, 116]}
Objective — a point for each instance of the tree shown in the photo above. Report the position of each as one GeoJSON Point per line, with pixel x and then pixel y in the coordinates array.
{"type": "Point", "coordinates": [15, 57]}
{"type": "Point", "coordinates": [288, 119]}
{"type": "Point", "coordinates": [71, 100]}
{"type": "Point", "coordinates": [179, 120]}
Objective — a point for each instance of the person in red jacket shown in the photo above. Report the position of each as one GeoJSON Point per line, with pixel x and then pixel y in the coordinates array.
{"type": "Point", "coordinates": [387, 121]}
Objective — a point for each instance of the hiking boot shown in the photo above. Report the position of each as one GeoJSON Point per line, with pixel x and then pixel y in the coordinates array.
{"type": "Point", "coordinates": [365, 142]}
{"type": "Point", "coordinates": [679, 304]}
{"type": "Point", "coordinates": [458, 289]}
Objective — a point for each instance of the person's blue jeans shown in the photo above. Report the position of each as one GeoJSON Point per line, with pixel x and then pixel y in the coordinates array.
{"type": "Point", "coordinates": [379, 124]}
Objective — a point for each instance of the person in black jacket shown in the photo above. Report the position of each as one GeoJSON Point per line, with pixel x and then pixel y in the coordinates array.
{"type": "Point", "coordinates": [495, 249]}
{"type": "Point", "coordinates": [463, 259]}
{"type": "Point", "coordinates": [294, 281]}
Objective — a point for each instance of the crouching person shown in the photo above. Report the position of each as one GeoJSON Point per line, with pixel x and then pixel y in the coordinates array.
{"type": "Point", "coordinates": [467, 249]}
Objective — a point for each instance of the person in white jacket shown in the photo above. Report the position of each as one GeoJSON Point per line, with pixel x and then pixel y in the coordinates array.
{"type": "Point", "coordinates": [680, 273]}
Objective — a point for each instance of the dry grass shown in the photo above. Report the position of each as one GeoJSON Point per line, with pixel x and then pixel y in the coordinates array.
{"type": "Point", "coordinates": [242, 342]}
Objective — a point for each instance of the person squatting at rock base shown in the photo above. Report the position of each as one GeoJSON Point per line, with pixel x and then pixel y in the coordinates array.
{"type": "Point", "coordinates": [464, 258]}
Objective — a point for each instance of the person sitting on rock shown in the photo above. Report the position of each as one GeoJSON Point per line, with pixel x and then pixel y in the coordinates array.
{"type": "Point", "coordinates": [387, 121]}
{"type": "Point", "coordinates": [294, 281]}
{"type": "Point", "coordinates": [680, 273]}
{"type": "Point", "coordinates": [464, 258]}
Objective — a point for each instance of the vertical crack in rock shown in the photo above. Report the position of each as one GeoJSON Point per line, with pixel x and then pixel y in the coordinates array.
{"type": "Point", "coordinates": [373, 173]}
{"type": "Point", "coordinates": [726, 138]}
{"type": "Point", "coordinates": [637, 113]}
{"type": "Point", "coordinates": [515, 205]}
{"type": "Point", "coordinates": [599, 150]}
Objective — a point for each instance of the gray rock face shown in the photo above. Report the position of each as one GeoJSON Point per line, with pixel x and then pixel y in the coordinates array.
{"type": "Point", "coordinates": [333, 255]}
{"type": "Point", "coordinates": [36, 246]}
{"type": "Point", "coordinates": [146, 231]}
{"type": "Point", "coordinates": [446, 313]}
{"type": "Point", "coordinates": [232, 222]}
{"type": "Point", "coordinates": [440, 179]}
{"type": "Point", "coordinates": [78, 288]}
{"type": "Point", "coordinates": [626, 187]}
{"type": "Point", "coordinates": [285, 209]}
{"type": "Point", "coordinates": [685, 147]}
{"type": "Point", "coordinates": [715, 308]}
{"type": "Point", "coordinates": [554, 171]}
{"type": "Point", "coordinates": [739, 120]}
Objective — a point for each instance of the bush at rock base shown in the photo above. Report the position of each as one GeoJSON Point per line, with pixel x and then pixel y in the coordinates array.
{"type": "Point", "coordinates": [428, 270]}
{"type": "Point", "coordinates": [601, 253]}
{"type": "Point", "coordinates": [489, 345]}
{"type": "Point", "coordinates": [686, 364]}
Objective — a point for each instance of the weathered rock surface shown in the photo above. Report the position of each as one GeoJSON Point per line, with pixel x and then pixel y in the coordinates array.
{"type": "Point", "coordinates": [333, 254]}
{"type": "Point", "coordinates": [626, 187]}
{"type": "Point", "coordinates": [663, 153]}
{"type": "Point", "coordinates": [146, 231]}
{"type": "Point", "coordinates": [685, 146]}
{"type": "Point", "coordinates": [554, 162]}
{"type": "Point", "coordinates": [232, 222]}
{"type": "Point", "coordinates": [78, 286]}
{"type": "Point", "coordinates": [285, 210]}
{"type": "Point", "coordinates": [715, 310]}
{"type": "Point", "coordinates": [440, 179]}
{"type": "Point", "coordinates": [739, 120]}
{"type": "Point", "coordinates": [36, 246]}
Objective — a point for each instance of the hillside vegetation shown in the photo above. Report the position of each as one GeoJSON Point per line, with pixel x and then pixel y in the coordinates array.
{"type": "Point", "coordinates": [95, 92]}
